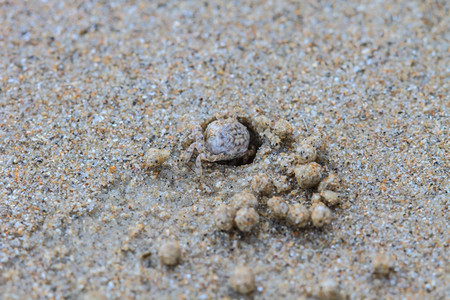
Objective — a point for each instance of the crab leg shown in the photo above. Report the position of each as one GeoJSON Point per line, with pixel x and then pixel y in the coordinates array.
{"type": "Point", "coordinates": [198, 144]}
{"type": "Point", "coordinates": [198, 163]}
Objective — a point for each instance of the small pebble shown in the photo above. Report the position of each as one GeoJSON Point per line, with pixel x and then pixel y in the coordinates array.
{"type": "Point", "coordinates": [263, 122]}
{"type": "Point", "coordinates": [224, 217]}
{"type": "Point", "coordinates": [93, 295]}
{"type": "Point", "coordinates": [331, 198]}
{"type": "Point", "coordinates": [309, 175]}
{"type": "Point", "coordinates": [331, 183]}
{"type": "Point", "coordinates": [261, 184]}
{"type": "Point", "coordinates": [170, 253]}
{"type": "Point", "coordinates": [286, 162]}
{"type": "Point", "coordinates": [246, 219]}
{"type": "Point", "coordinates": [283, 129]}
{"type": "Point", "coordinates": [306, 153]}
{"type": "Point", "coordinates": [278, 207]}
{"type": "Point", "coordinates": [329, 289]}
{"type": "Point", "coordinates": [316, 198]}
{"type": "Point", "coordinates": [382, 264]}
{"type": "Point", "coordinates": [243, 280]}
{"type": "Point", "coordinates": [244, 199]}
{"type": "Point", "coordinates": [298, 215]}
{"type": "Point", "coordinates": [155, 157]}
{"type": "Point", "coordinates": [316, 141]}
{"type": "Point", "coordinates": [320, 214]}
{"type": "Point", "coordinates": [282, 184]}
{"type": "Point", "coordinates": [274, 139]}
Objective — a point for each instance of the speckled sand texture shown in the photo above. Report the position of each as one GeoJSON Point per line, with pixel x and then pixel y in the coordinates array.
{"type": "Point", "coordinates": [87, 88]}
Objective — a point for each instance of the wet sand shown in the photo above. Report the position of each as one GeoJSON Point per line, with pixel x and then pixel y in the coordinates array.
{"type": "Point", "coordinates": [87, 88]}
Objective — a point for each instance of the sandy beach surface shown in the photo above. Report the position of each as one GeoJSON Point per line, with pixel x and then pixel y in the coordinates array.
{"type": "Point", "coordinates": [87, 88]}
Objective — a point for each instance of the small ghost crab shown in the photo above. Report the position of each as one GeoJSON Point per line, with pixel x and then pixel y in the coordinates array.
{"type": "Point", "coordinates": [224, 140]}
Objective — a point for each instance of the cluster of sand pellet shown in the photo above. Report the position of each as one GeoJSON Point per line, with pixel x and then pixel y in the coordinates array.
{"type": "Point", "coordinates": [87, 88]}
{"type": "Point", "coordinates": [300, 170]}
